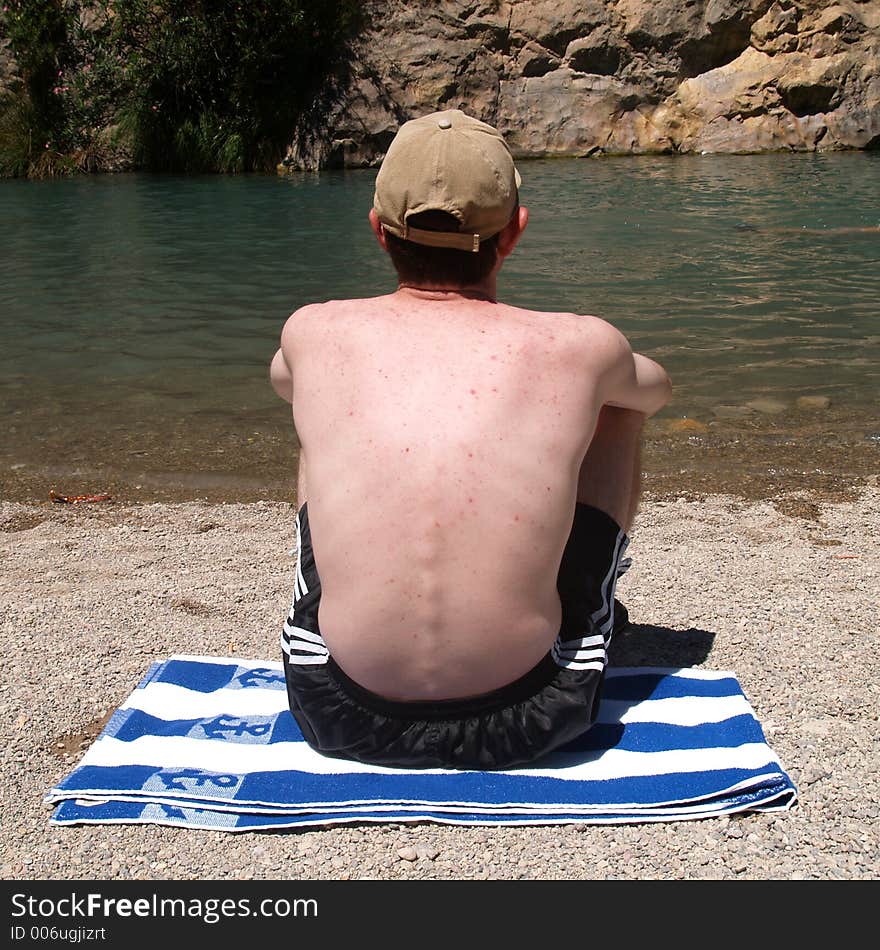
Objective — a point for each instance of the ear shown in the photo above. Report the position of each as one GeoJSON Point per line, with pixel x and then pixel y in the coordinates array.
{"type": "Point", "coordinates": [512, 232]}
{"type": "Point", "coordinates": [378, 230]}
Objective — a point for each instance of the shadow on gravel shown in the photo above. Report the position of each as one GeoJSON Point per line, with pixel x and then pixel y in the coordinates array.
{"type": "Point", "coordinates": [647, 645]}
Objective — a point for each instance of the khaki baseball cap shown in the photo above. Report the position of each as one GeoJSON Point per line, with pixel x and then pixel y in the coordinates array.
{"type": "Point", "coordinates": [447, 161]}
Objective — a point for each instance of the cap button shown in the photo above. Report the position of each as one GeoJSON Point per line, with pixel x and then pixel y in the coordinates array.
{"type": "Point", "coordinates": [444, 123]}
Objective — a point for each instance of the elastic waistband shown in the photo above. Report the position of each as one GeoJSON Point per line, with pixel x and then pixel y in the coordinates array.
{"type": "Point", "coordinates": [437, 710]}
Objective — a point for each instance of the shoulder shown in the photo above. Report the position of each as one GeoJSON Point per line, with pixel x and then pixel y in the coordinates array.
{"type": "Point", "coordinates": [584, 336]}
{"type": "Point", "coordinates": [309, 319]}
{"type": "Point", "coordinates": [304, 316]}
{"type": "Point", "coordinates": [315, 314]}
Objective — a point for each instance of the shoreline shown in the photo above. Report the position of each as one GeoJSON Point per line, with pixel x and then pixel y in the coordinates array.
{"type": "Point", "coordinates": [782, 592]}
{"type": "Point", "coordinates": [734, 450]}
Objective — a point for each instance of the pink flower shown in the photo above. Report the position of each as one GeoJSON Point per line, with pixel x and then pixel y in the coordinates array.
{"type": "Point", "coordinates": [47, 144]}
{"type": "Point", "coordinates": [56, 90]}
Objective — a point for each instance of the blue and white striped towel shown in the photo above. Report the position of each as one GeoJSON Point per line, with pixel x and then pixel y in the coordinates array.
{"type": "Point", "coordinates": [209, 742]}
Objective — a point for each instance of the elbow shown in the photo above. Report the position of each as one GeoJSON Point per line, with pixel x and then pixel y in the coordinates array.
{"type": "Point", "coordinates": [661, 396]}
{"type": "Point", "coordinates": [667, 393]}
{"type": "Point", "coordinates": [280, 378]}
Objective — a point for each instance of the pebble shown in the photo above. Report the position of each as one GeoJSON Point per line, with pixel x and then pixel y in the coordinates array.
{"type": "Point", "coordinates": [816, 727]}
{"type": "Point", "coordinates": [812, 775]}
{"type": "Point", "coordinates": [407, 854]}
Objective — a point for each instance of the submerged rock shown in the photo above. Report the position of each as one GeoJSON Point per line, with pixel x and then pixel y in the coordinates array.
{"type": "Point", "coordinates": [768, 406]}
{"type": "Point", "coordinates": [686, 425]}
{"type": "Point", "coordinates": [732, 412]}
{"type": "Point", "coordinates": [813, 402]}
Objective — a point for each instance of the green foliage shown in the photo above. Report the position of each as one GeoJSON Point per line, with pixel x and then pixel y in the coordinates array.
{"type": "Point", "coordinates": [17, 146]}
{"type": "Point", "coordinates": [37, 31]}
{"type": "Point", "coordinates": [191, 85]}
{"type": "Point", "coordinates": [30, 112]}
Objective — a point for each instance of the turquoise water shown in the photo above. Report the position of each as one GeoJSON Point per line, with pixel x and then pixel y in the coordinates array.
{"type": "Point", "coordinates": [141, 311]}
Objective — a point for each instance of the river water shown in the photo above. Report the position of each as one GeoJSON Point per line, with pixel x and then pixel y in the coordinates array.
{"type": "Point", "coordinates": [139, 313]}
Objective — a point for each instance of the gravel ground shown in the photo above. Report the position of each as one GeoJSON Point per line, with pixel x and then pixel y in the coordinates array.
{"type": "Point", "coordinates": [783, 592]}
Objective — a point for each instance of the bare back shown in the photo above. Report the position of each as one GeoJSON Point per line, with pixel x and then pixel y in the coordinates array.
{"type": "Point", "coordinates": [441, 442]}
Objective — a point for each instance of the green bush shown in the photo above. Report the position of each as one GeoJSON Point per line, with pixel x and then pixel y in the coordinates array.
{"type": "Point", "coordinates": [192, 86]}
{"type": "Point", "coordinates": [31, 113]}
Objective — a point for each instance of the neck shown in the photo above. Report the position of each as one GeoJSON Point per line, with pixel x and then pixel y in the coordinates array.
{"type": "Point", "coordinates": [484, 291]}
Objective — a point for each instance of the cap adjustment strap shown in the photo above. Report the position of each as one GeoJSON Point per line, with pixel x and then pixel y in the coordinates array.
{"type": "Point", "coordinates": [453, 239]}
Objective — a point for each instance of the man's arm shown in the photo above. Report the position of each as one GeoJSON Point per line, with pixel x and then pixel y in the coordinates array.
{"type": "Point", "coordinates": [634, 381]}
{"type": "Point", "coordinates": [280, 372]}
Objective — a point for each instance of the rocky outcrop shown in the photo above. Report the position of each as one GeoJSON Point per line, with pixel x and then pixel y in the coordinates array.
{"type": "Point", "coordinates": [591, 77]}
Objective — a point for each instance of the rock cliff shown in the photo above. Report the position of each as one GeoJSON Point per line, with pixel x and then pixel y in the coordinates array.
{"type": "Point", "coordinates": [592, 77]}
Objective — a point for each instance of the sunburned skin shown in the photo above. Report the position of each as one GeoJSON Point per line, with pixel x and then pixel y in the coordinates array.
{"type": "Point", "coordinates": [442, 437]}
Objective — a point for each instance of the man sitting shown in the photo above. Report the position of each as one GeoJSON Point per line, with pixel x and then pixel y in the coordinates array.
{"type": "Point", "coordinates": [468, 474]}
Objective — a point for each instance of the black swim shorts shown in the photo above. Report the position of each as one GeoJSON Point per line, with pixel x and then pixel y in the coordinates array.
{"type": "Point", "coordinates": [549, 706]}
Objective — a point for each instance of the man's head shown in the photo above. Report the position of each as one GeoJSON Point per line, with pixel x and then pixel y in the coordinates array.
{"type": "Point", "coordinates": [447, 200]}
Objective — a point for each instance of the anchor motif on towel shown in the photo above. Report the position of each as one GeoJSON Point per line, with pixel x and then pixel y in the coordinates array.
{"type": "Point", "coordinates": [219, 727]}
{"type": "Point", "coordinates": [196, 777]}
{"type": "Point", "coordinates": [260, 677]}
